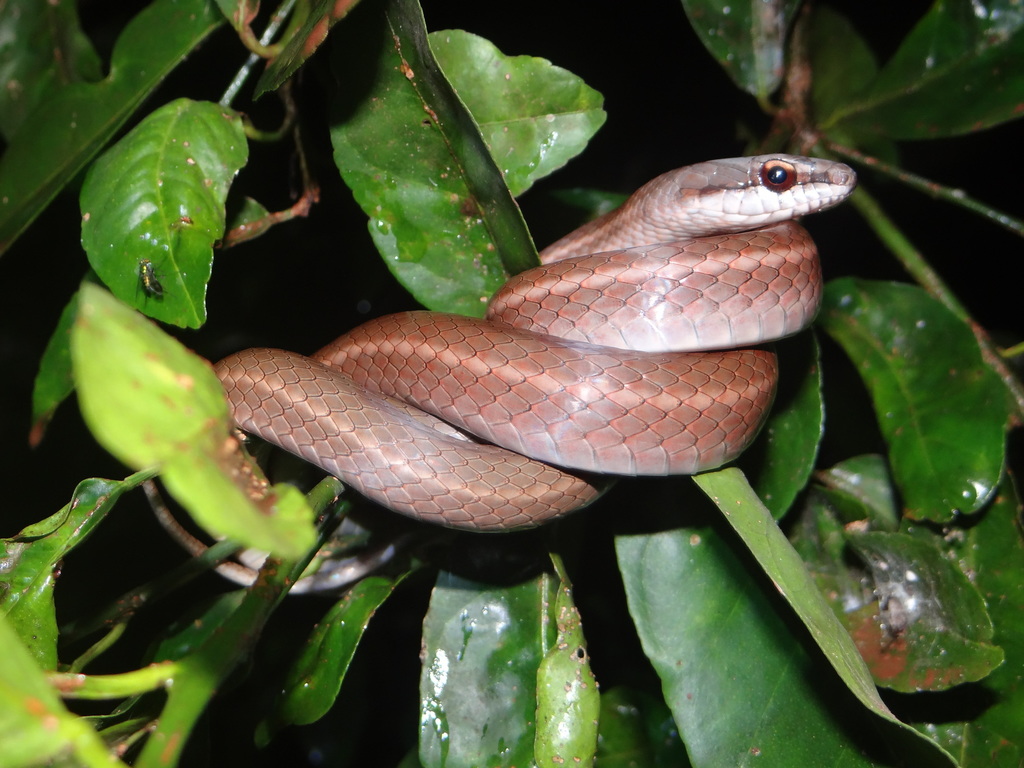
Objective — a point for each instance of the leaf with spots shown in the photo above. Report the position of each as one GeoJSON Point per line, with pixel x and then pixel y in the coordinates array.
{"type": "Point", "coordinates": [440, 212]}
{"type": "Point", "coordinates": [153, 403]}
{"type": "Point", "coordinates": [53, 52]}
{"type": "Point", "coordinates": [927, 629]}
{"type": "Point", "coordinates": [746, 38]}
{"type": "Point", "coordinates": [745, 689]}
{"type": "Point", "coordinates": [35, 727]}
{"type": "Point", "coordinates": [153, 207]}
{"type": "Point", "coordinates": [941, 410]}
{"type": "Point", "coordinates": [568, 702]}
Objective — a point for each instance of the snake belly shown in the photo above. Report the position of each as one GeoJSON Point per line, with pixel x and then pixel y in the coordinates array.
{"type": "Point", "coordinates": [627, 353]}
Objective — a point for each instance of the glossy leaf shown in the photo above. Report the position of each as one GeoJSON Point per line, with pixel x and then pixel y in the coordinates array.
{"type": "Point", "coordinates": [746, 38]}
{"type": "Point", "coordinates": [861, 488]}
{"type": "Point", "coordinates": [534, 116]}
{"type": "Point", "coordinates": [993, 550]}
{"type": "Point", "coordinates": [743, 689]}
{"type": "Point", "coordinates": [315, 678]}
{"type": "Point", "coordinates": [941, 409]}
{"type": "Point", "coordinates": [155, 202]}
{"type": "Point", "coordinates": [55, 143]}
{"type": "Point", "coordinates": [782, 459]}
{"type": "Point", "coordinates": [956, 72]}
{"type": "Point", "coordinates": [187, 637]}
{"type": "Point", "coordinates": [440, 214]}
{"type": "Point", "coordinates": [42, 49]}
{"type": "Point", "coordinates": [929, 629]}
{"type": "Point", "coordinates": [31, 562]}
{"type": "Point", "coordinates": [729, 491]}
{"type": "Point", "coordinates": [151, 402]}
{"type": "Point", "coordinates": [481, 653]}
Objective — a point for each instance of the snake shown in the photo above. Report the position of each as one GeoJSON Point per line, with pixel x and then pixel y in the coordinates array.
{"type": "Point", "coordinates": [639, 347]}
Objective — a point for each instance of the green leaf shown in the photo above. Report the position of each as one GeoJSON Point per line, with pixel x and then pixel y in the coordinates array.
{"type": "Point", "coordinates": [35, 728]}
{"type": "Point", "coordinates": [315, 678]}
{"type": "Point", "coordinates": [151, 402]}
{"type": "Point", "coordinates": [32, 561]}
{"type": "Point", "coordinates": [482, 649]}
{"type": "Point", "coordinates": [843, 63]}
{"type": "Point", "coordinates": [42, 49]}
{"type": "Point", "coordinates": [957, 49]}
{"type": "Point", "coordinates": [440, 213]}
{"type": "Point", "coordinates": [746, 38]}
{"type": "Point", "coordinates": [941, 409]}
{"type": "Point", "coordinates": [637, 730]}
{"type": "Point", "coordinates": [729, 491]}
{"type": "Point", "coordinates": [928, 628]}
{"type": "Point", "coordinates": [975, 746]}
{"type": "Point", "coordinates": [187, 637]}
{"type": "Point", "coordinates": [53, 382]}
{"type": "Point", "coordinates": [568, 702]}
{"type": "Point", "coordinates": [534, 116]}
{"type": "Point", "coordinates": [303, 41]}
{"type": "Point", "coordinates": [155, 200]}
{"type": "Point", "coordinates": [781, 460]}
{"type": "Point", "coordinates": [993, 550]}
{"type": "Point", "coordinates": [143, 395]}
{"type": "Point", "coordinates": [861, 489]}
{"type": "Point", "coordinates": [743, 686]}
{"type": "Point", "coordinates": [57, 141]}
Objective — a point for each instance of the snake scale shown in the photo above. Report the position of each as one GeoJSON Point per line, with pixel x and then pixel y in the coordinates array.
{"type": "Point", "coordinates": [633, 350]}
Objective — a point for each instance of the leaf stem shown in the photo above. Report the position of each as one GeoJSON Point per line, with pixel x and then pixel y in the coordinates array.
{"type": "Point", "coordinates": [275, 24]}
{"type": "Point", "coordinates": [72, 685]}
{"type": "Point", "coordinates": [916, 265]}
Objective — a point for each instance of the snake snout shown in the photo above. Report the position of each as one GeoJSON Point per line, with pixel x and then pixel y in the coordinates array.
{"type": "Point", "coordinates": [842, 175]}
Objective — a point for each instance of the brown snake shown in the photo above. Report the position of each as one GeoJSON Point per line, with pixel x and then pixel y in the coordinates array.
{"type": "Point", "coordinates": [600, 361]}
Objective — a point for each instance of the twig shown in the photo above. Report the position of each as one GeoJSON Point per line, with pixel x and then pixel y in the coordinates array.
{"type": "Point", "coordinates": [275, 24]}
{"type": "Point", "coordinates": [932, 188]}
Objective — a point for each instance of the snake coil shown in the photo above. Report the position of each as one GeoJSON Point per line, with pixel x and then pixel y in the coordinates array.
{"type": "Point", "coordinates": [627, 352]}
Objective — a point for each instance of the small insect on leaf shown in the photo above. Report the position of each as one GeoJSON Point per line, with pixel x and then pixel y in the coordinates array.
{"type": "Point", "coordinates": [147, 277]}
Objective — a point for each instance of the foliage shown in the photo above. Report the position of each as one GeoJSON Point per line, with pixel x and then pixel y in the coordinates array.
{"type": "Point", "coordinates": [857, 601]}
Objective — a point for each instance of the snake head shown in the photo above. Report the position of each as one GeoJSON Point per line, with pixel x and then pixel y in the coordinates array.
{"type": "Point", "coordinates": [740, 193]}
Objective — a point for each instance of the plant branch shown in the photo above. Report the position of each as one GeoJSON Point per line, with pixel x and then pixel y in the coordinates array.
{"type": "Point", "coordinates": [932, 188]}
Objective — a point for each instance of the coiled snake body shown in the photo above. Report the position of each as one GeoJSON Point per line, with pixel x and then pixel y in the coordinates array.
{"type": "Point", "coordinates": [618, 356]}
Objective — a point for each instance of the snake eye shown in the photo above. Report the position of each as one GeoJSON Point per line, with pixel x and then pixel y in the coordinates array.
{"type": "Point", "coordinates": [778, 176]}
